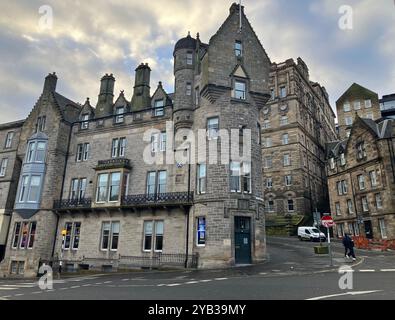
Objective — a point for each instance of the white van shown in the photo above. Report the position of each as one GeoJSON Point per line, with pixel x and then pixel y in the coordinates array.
{"type": "Point", "coordinates": [310, 233]}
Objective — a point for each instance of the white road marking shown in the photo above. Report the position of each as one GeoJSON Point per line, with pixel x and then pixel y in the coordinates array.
{"type": "Point", "coordinates": [220, 279]}
{"type": "Point", "coordinates": [75, 287]}
{"type": "Point", "coordinates": [355, 293]}
{"type": "Point", "coordinates": [37, 292]}
{"type": "Point", "coordinates": [19, 295]}
{"type": "Point", "coordinates": [87, 285]}
{"type": "Point", "coordinates": [5, 297]}
{"type": "Point", "coordinates": [125, 279]}
{"type": "Point", "coordinates": [174, 285]}
{"type": "Point", "coordinates": [387, 270]}
{"type": "Point", "coordinates": [192, 282]}
{"type": "Point", "coordinates": [367, 270]}
{"type": "Point", "coordinates": [107, 282]}
{"type": "Point", "coordinates": [263, 273]}
{"type": "Point", "coordinates": [205, 280]}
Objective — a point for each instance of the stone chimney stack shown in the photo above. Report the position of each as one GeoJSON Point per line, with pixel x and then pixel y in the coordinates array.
{"type": "Point", "coordinates": [106, 96]}
{"type": "Point", "coordinates": [50, 83]}
{"type": "Point", "coordinates": [141, 95]}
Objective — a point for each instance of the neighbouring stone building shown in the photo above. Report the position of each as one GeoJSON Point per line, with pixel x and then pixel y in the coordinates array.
{"type": "Point", "coordinates": [361, 179]}
{"type": "Point", "coordinates": [297, 122]}
{"type": "Point", "coordinates": [83, 170]}
{"type": "Point", "coordinates": [387, 106]}
{"type": "Point", "coordinates": [9, 175]}
{"type": "Point", "coordinates": [357, 100]}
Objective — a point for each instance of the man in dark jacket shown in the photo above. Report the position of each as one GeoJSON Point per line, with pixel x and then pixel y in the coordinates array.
{"type": "Point", "coordinates": [348, 244]}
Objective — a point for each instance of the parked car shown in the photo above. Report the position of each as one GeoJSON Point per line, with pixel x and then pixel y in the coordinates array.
{"type": "Point", "coordinates": [310, 233]}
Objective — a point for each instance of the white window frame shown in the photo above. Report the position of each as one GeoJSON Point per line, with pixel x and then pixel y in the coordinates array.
{"type": "Point", "coordinates": [120, 114]}
{"type": "Point", "coordinates": [350, 206]}
{"type": "Point", "coordinates": [288, 180]}
{"type": "Point", "coordinates": [361, 182]}
{"type": "Point", "coordinates": [357, 105]}
{"type": "Point", "coordinates": [3, 167]}
{"type": "Point", "coordinates": [8, 140]}
{"type": "Point", "coordinates": [285, 139]}
{"type": "Point", "coordinates": [240, 90]}
{"type": "Point", "coordinates": [238, 49]}
{"type": "Point", "coordinates": [84, 121]}
{"type": "Point", "coordinates": [379, 200]}
{"type": "Point", "coordinates": [383, 228]}
{"type": "Point", "coordinates": [159, 108]}
{"type": "Point", "coordinates": [347, 107]}
{"type": "Point", "coordinates": [154, 235]}
{"type": "Point", "coordinates": [201, 178]}
{"type": "Point", "coordinates": [365, 204]}
{"type": "Point", "coordinates": [111, 235]}
{"type": "Point", "coordinates": [287, 160]}
{"type": "Point", "coordinates": [373, 178]}
{"type": "Point", "coordinates": [283, 120]}
{"type": "Point", "coordinates": [213, 128]}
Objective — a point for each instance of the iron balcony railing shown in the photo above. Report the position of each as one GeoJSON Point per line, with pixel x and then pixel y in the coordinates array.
{"type": "Point", "coordinates": [73, 203]}
{"type": "Point", "coordinates": [160, 198]}
{"type": "Point", "coordinates": [174, 198]}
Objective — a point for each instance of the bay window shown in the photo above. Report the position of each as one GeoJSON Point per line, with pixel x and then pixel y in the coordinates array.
{"type": "Point", "coordinates": [108, 187]}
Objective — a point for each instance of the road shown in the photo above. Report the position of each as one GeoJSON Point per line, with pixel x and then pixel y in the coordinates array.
{"type": "Point", "coordinates": [291, 272]}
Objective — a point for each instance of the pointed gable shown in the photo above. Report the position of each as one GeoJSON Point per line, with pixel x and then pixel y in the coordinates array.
{"type": "Point", "coordinates": [223, 54]}
{"type": "Point", "coordinates": [239, 72]}
{"type": "Point", "coordinates": [121, 102]}
{"type": "Point", "coordinates": [160, 94]}
{"type": "Point", "coordinates": [356, 91]}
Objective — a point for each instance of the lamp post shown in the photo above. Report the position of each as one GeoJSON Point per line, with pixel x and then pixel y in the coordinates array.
{"type": "Point", "coordinates": [64, 232]}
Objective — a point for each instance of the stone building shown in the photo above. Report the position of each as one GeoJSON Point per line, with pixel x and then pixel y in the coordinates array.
{"type": "Point", "coordinates": [357, 100]}
{"type": "Point", "coordinates": [297, 122]}
{"type": "Point", "coordinates": [104, 175]}
{"type": "Point", "coordinates": [361, 180]}
{"type": "Point", "coordinates": [9, 175]}
{"type": "Point", "coordinates": [387, 106]}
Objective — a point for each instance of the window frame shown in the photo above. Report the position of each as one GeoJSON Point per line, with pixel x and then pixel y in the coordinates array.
{"type": "Point", "coordinates": [9, 139]}
{"type": "Point", "coordinates": [237, 90]}
{"type": "Point", "coordinates": [238, 49]}
{"type": "Point", "coordinates": [3, 167]}
{"type": "Point", "coordinates": [159, 110]}
{"type": "Point", "coordinates": [119, 116]}
{"type": "Point", "coordinates": [212, 128]}
{"type": "Point", "coordinates": [201, 182]}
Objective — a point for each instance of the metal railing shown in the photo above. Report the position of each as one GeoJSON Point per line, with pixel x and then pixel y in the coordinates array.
{"type": "Point", "coordinates": [160, 198]}
{"type": "Point", "coordinates": [131, 200]}
{"type": "Point", "coordinates": [155, 260]}
{"type": "Point", "coordinates": [73, 203]}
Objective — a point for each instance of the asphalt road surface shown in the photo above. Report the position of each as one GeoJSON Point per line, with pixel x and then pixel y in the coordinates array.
{"type": "Point", "coordinates": [292, 272]}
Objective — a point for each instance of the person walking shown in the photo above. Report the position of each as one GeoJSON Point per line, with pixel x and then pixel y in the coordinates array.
{"type": "Point", "coordinates": [348, 244]}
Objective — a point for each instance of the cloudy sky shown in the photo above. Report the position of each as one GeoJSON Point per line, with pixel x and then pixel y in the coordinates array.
{"type": "Point", "coordinates": [89, 38]}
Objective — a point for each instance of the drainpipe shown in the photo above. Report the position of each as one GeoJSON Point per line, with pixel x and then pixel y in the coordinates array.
{"type": "Point", "coordinates": [62, 188]}
{"type": "Point", "coordinates": [187, 209]}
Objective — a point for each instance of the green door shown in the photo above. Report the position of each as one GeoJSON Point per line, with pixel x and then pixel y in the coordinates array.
{"type": "Point", "coordinates": [242, 240]}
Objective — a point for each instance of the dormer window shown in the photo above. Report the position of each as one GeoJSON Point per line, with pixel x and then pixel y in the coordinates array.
{"type": "Point", "coordinates": [119, 115]}
{"type": "Point", "coordinates": [159, 109]}
{"type": "Point", "coordinates": [85, 122]}
{"type": "Point", "coordinates": [240, 90]}
{"type": "Point", "coordinates": [238, 49]}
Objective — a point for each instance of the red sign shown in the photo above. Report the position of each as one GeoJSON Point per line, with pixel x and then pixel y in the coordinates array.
{"type": "Point", "coordinates": [327, 221]}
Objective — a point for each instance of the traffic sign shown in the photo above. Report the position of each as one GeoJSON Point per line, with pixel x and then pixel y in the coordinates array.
{"type": "Point", "coordinates": [64, 232]}
{"type": "Point", "coordinates": [327, 221]}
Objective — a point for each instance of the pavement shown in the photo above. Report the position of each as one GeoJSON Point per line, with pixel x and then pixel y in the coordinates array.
{"type": "Point", "coordinates": [291, 272]}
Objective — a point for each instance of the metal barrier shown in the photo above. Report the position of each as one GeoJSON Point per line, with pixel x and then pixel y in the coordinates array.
{"type": "Point", "coordinates": [155, 260]}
